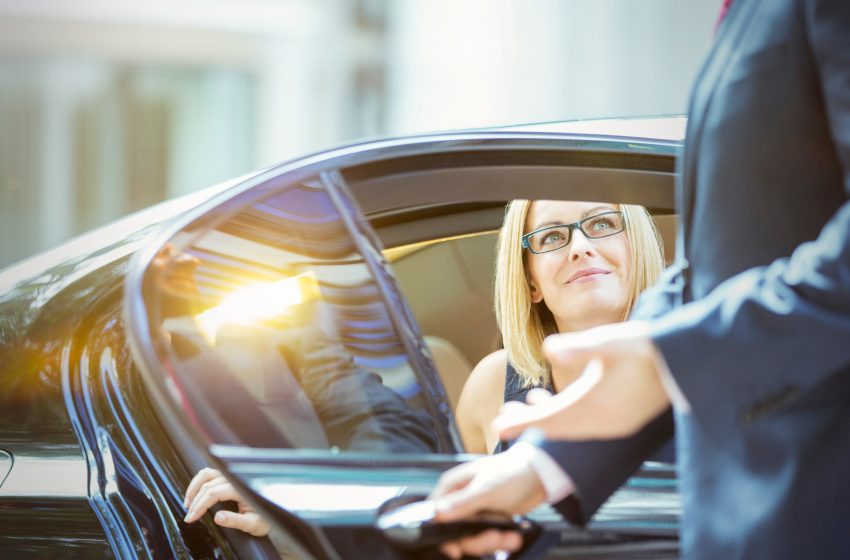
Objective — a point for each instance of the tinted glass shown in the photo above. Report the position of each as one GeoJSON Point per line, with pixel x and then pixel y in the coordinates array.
{"type": "Point", "coordinates": [278, 333]}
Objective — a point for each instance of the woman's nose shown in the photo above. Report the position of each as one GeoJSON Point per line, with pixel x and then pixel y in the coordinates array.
{"type": "Point", "coordinates": [580, 246]}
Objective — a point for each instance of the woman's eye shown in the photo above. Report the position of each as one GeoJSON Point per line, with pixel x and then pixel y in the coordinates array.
{"type": "Point", "coordinates": [552, 237]}
{"type": "Point", "coordinates": [600, 224]}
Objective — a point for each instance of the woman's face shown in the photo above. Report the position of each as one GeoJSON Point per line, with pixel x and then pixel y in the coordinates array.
{"type": "Point", "coordinates": [586, 283]}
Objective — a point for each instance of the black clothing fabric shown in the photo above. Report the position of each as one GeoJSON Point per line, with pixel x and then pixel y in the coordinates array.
{"type": "Point", "coordinates": [754, 318]}
{"type": "Point", "coordinates": [515, 392]}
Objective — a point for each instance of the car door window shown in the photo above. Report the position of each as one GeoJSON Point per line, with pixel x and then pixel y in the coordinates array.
{"type": "Point", "coordinates": [282, 329]}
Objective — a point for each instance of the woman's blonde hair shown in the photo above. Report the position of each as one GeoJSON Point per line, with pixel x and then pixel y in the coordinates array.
{"type": "Point", "coordinates": [524, 324]}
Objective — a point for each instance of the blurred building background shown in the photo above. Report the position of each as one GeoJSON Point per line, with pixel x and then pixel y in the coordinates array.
{"type": "Point", "coordinates": [109, 106]}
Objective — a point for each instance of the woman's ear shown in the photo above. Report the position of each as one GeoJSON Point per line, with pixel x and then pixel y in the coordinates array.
{"type": "Point", "coordinates": [536, 294]}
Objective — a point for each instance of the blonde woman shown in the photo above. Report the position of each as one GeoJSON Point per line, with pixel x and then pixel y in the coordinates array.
{"type": "Point", "coordinates": [561, 266]}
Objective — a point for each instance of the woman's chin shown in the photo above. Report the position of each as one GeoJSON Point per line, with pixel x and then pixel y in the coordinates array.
{"type": "Point", "coordinates": [592, 311]}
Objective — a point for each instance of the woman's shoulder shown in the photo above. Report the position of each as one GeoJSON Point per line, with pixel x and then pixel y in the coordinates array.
{"type": "Point", "coordinates": [491, 367]}
{"type": "Point", "coordinates": [499, 357]}
{"type": "Point", "coordinates": [487, 380]}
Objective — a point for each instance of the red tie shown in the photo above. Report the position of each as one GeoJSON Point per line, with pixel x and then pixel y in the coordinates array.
{"type": "Point", "coordinates": [723, 10]}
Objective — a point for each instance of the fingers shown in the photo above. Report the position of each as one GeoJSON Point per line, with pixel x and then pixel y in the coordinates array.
{"type": "Point", "coordinates": [512, 408]}
{"type": "Point", "coordinates": [455, 498]}
{"type": "Point", "coordinates": [630, 338]}
{"type": "Point", "coordinates": [504, 482]}
{"type": "Point", "coordinates": [211, 493]}
{"type": "Point", "coordinates": [486, 542]}
{"type": "Point", "coordinates": [571, 350]}
{"type": "Point", "coordinates": [559, 416]}
{"type": "Point", "coordinates": [513, 420]}
{"type": "Point", "coordinates": [463, 503]}
{"type": "Point", "coordinates": [203, 476]}
{"type": "Point", "coordinates": [537, 395]}
{"type": "Point", "coordinates": [453, 479]}
{"type": "Point", "coordinates": [208, 488]}
{"type": "Point", "coordinates": [248, 522]}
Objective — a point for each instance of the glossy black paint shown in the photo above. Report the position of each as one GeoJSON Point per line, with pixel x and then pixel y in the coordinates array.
{"type": "Point", "coordinates": [140, 479]}
{"type": "Point", "coordinates": [70, 397]}
{"type": "Point", "coordinates": [70, 393]}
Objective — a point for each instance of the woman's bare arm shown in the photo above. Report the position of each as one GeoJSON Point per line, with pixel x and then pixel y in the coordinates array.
{"type": "Point", "coordinates": [480, 401]}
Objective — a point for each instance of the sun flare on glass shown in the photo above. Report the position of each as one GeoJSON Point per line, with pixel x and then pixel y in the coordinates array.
{"type": "Point", "coordinates": [251, 304]}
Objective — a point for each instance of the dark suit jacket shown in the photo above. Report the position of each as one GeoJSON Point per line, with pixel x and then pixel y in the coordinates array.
{"type": "Point", "coordinates": [754, 320]}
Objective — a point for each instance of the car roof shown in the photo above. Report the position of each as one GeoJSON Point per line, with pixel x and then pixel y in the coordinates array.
{"type": "Point", "coordinates": [667, 127]}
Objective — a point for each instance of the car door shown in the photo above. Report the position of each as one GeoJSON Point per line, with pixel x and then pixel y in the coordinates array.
{"type": "Point", "coordinates": [278, 347]}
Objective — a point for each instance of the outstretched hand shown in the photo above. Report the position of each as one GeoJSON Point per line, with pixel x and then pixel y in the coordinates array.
{"type": "Point", "coordinates": [619, 391]}
{"type": "Point", "coordinates": [208, 488]}
{"type": "Point", "coordinates": [505, 483]}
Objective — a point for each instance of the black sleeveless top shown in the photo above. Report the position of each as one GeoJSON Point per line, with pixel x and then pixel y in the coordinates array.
{"type": "Point", "coordinates": [514, 391]}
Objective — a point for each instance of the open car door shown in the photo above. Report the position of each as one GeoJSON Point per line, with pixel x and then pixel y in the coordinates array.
{"type": "Point", "coordinates": [277, 346]}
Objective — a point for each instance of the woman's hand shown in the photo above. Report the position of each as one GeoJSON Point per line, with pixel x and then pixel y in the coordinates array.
{"type": "Point", "coordinates": [208, 488]}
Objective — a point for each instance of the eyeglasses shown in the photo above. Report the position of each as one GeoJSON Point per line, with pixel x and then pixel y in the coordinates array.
{"type": "Point", "coordinates": [552, 238]}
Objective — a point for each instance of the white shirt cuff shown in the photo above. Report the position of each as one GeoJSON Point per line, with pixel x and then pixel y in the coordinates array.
{"type": "Point", "coordinates": [557, 483]}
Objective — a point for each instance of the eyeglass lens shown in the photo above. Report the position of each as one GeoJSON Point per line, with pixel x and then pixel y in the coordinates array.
{"type": "Point", "coordinates": [594, 227]}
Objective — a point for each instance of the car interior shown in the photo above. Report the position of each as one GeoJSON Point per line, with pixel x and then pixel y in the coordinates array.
{"type": "Point", "coordinates": [449, 286]}
{"type": "Point", "coordinates": [439, 223]}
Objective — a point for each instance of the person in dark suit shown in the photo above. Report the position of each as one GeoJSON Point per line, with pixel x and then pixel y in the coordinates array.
{"type": "Point", "coordinates": [748, 335]}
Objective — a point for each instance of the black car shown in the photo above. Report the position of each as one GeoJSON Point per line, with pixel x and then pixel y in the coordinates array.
{"type": "Point", "coordinates": [305, 329]}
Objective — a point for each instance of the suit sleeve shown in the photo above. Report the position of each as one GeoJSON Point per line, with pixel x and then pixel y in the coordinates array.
{"type": "Point", "coordinates": [599, 468]}
{"type": "Point", "coordinates": [771, 335]}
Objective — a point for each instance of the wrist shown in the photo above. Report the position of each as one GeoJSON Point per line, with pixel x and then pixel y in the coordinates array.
{"type": "Point", "coordinates": [554, 484]}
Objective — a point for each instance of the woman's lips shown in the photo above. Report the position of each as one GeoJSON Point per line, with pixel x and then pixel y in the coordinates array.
{"type": "Point", "coordinates": [587, 275]}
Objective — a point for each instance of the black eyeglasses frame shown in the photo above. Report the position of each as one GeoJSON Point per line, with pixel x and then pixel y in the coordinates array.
{"type": "Point", "coordinates": [571, 228]}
